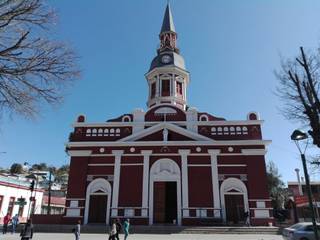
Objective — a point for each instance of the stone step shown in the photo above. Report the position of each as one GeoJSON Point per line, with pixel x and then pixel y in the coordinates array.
{"type": "Point", "coordinates": [161, 229]}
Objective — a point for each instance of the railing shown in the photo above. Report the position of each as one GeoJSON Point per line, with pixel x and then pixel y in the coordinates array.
{"type": "Point", "coordinates": [130, 212]}
{"type": "Point", "coordinates": [204, 213]}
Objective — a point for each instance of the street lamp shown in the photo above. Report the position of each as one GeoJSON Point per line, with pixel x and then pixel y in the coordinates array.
{"type": "Point", "coordinates": [297, 136]}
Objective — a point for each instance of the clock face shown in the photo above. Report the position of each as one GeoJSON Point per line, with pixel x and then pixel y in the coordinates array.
{"type": "Point", "coordinates": [166, 59]}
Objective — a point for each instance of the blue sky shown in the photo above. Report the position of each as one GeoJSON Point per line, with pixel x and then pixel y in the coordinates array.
{"type": "Point", "coordinates": [230, 47]}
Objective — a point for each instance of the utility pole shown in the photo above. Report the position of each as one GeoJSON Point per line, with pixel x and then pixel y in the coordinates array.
{"type": "Point", "coordinates": [49, 195]}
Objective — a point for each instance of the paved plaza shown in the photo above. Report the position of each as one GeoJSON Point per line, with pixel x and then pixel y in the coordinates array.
{"type": "Point", "coordinates": [63, 236]}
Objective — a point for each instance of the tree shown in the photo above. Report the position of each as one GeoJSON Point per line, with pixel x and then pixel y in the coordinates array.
{"type": "Point", "coordinates": [40, 167]}
{"type": "Point", "coordinates": [16, 168]}
{"type": "Point", "coordinates": [276, 187]}
{"type": "Point", "coordinates": [299, 89]}
{"type": "Point", "coordinates": [33, 68]}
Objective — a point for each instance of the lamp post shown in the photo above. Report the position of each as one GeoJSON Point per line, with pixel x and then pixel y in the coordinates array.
{"type": "Point", "coordinates": [297, 136]}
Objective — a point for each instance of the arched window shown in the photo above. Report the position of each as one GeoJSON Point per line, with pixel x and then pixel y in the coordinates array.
{"type": "Point", "coordinates": [219, 130]}
{"type": "Point", "coordinates": [106, 132]}
{"type": "Point", "coordinates": [232, 131]}
{"type": "Point", "coordinates": [118, 132]}
{"type": "Point", "coordinates": [238, 129]}
{"type": "Point", "coordinates": [213, 131]}
{"type": "Point", "coordinates": [88, 132]}
{"type": "Point", "coordinates": [204, 118]}
{"type": "Point", "coordinates": [126, 119]}
{"type": "Point", "coordinates": [112, 132]}
{"type": "Point", "coordinates": [100, 132]}
{"type": "Point", "coordinates": [226, 130]}
{"type": "Point", "coordinates": [94, 132]}
{"type": "Point", "coordinates": [245, 130]}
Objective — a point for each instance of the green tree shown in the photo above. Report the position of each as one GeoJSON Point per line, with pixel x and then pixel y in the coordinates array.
{"type": "Point", "coordinates": [16, 168]}
{"type": "Point", "coordinates": [278, 191]}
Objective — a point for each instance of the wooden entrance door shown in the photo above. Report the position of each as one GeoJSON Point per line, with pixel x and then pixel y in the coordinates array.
{"type": "Point", "coordinates": [234, 208]}
{"type": "Point", "coordinates": [165, 202]}
{"type": "Point", "coordinates": [98, 208]}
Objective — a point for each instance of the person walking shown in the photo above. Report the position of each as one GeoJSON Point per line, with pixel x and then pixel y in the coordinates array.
{"type": "Point", "coordinates": [126, 226]}
{"type": "Point", "coordinates": [6, 221]}
{"type": "Point", "coordinates": [76, 230]}
{"type": "Point", "coordinates": [27, 231]}
{"type": "Point", "coordinates": [113, 231]}
{"type": "Point", "coordinates": [118, 227]}
{"type": "Point", "coordinates": [15, 222]}
{"type": "Point", "coordinates": [247, 219]}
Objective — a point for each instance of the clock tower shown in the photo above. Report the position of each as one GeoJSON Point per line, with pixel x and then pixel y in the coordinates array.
{"type": "Point", "coordinates": [167, 77]}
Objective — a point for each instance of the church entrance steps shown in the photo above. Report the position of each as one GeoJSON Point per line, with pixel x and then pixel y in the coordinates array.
{"type": "Point", "coordinates": [161, 229]}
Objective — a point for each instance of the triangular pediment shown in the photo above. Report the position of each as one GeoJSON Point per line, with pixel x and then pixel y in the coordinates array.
{"type": "Point", "coordinates": [165, 132]}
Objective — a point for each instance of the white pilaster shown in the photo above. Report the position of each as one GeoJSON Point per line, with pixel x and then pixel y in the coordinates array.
{"type": "Point", "coordinates": [185, 186]}
{"type": "Point", "coordinates": [116, 181]}
{"type": "Point", "coordinates": [215, 180]}
{"type": "Point", "coordinates": [145, 187]}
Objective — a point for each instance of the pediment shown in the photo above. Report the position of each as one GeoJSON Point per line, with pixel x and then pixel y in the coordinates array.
{"type": "Point", "coordinates": [165, 132]}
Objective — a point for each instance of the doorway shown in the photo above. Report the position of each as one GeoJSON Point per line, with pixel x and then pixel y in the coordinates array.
{"type": "Point", "coordinates": [165, 202]}
{"type": "Point", "coordinates": [98, 208]}
{"type": "Point", "coordinates": [234, 208]}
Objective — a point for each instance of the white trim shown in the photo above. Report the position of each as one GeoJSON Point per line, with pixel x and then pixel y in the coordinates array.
{"type": "Point", "coordinates": [131, 164]}
{"type": "Point", "coordinates": [79, 199]}
{"type": "Point", "coordinates": [171, 143]}
{"type": "Point", "coordinates": [253, 152]}
{"type": "Point", "coordinates": [183, 123]}
{"type": "Point", "coordinates": [215, 180]}
{"type": "Point", "coordinates": [199, 165]}
{"type": "Point", "coordinates": [233, 183]}
{"type": "Point", "coordinates": [145, 185]}
{"type": "Point", "coordinates": [232, 165]}
{"type": "Point", "coordinates": [267, 199]}
{"type": "Point", "coordinates": [185, 184]}
{"type": "Point", "coordinates": [168, 126]}
{"type": "Point", "coordinates": [79, 153]}
{"type": "Point", "coordinates": [102, 185]}
{"type": "Point", "coordinates": [159, 175]}
{"type": "Point", "coordinates": [116, 181]}
{"type": "Point", "coordinates": [100, 164]}
{"type": "Point", "coordinates": [67, 207]}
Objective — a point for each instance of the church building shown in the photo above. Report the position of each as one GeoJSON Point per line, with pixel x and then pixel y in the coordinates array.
{"type": "Point", "coordinates": [170, 163]}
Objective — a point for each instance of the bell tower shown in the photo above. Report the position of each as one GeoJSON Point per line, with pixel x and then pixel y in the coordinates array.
{"type": "Point", "coordinates": [167, 77]}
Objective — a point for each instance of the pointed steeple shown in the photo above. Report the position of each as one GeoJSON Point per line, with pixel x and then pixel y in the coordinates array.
{"type": "Point", "coordinates": [167, 24]}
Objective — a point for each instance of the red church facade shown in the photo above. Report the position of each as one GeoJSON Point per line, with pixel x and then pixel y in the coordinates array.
{"type": "Point", "coordinates": [170, 163]}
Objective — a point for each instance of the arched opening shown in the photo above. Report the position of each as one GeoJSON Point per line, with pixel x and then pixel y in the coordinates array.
{"type": "Point", "coordinates": [165, 193]}
{"type": "Point", "coordinates": [234, 200]}
{"type": "Point", "coordinates": [97, 209]}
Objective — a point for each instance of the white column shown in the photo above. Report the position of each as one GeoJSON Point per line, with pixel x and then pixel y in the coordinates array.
{"type": "Point", "coordinates": [116, 181]}
{"type": "Point", "coordinates": [145, 187]}
{"type": "Point", "coordinates": [215, 180]}
{"type": "Point", "coordinates": [185, 186]}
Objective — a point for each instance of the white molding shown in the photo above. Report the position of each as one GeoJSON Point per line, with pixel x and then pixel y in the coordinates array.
{"type": "Point", "coordinates": [145, 185]}
{"type": "Point", "coordinates": [131, 164]}
{"type": "Point", "coordinates": [103, 185]}
{"type": "Point", "coordinates": [165, 125]}
{"type": "Point", "coordinates": [79, 153]}
{"type": "Point", "coordinates": [253, 152]}
{"type": "Point", "coordinates": [156, 175]}
{"type": "Point", "coordinates": [232, 165]}
{"type": "Point", "coordinates": [233, 183]}
{"type": "Point", "coordinates": [266, 199]}
{"type": "Point", "coordinates": [184, 123]}
{"type": "Point", "coordinates": [215, 180]}
{"type": "Point", "coordinates": [185, 185]}
{"type": "Point", "coordinates": [171, 143]}
{"type": "Point", "coordinates": [199, 165]}
{"type": "Point", "coordinates": [100, 164]}
{"type": "Point", "coordinates": [116, 181]}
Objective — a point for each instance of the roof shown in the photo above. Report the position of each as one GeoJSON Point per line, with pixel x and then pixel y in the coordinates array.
{"type": "Point", "coordinates": [167, 24]}
{"type": "Point", "coordinates": [177, 61]}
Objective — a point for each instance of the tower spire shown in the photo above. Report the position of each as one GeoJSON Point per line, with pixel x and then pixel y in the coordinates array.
{"type": "Point", "coordinates": [167, 24]}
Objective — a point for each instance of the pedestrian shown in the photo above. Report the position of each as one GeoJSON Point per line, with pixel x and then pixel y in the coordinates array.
{"type": "Point", "coordinates": [247, 219]}
{"type": "Point", "coordinates": [27, 231]}
{"type": "Point", "coordinates": [126, 226]}
{"type": "Point", "coordinates": [113, 231]}
{"type": "Point", "coordinates": [6, 221]}
{"type": "Point", "coordinates": [15, 222]}
{"type": "Point", "coordinates": [118, 227]}
{"type": "Point", "coordinates": [76, 230]}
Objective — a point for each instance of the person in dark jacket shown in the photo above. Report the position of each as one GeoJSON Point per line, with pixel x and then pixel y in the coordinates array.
{"type": "Point", "coordinates": [27, 231]}
{"type": "Point", "coordinates": [118, 227]}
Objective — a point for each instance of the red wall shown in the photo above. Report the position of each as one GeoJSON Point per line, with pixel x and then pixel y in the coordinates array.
{"type": "Point", "coordinates": [77, 177]}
